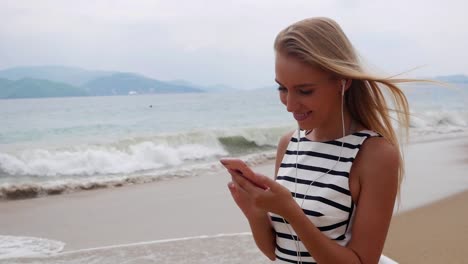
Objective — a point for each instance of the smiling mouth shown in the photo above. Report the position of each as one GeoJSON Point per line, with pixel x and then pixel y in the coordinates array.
{"type": "Point", "coordinates": [301, 116]}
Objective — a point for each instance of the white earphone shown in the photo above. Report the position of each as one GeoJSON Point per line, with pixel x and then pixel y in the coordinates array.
{"type": "Point", "coordinates": [343, 84]}
{"type": "Point", "coordinates": [297, 241]}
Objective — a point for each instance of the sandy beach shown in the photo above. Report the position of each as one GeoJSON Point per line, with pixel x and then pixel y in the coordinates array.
{"type": "Point", "coordinates": [428, 228]}
{"type": "Point", "coordinates": [435, 233]}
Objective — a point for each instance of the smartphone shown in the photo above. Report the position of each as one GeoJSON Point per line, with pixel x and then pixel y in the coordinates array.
{"type": "Point", "coordinates": [243, 169]}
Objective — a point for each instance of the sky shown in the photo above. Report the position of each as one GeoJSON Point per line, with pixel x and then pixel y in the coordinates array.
{"type": "Point", "coordinates": [212, 42]}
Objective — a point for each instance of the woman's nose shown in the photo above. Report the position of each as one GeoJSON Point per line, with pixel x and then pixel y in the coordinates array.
{"type": "Point", "coordinates": [292, 104]}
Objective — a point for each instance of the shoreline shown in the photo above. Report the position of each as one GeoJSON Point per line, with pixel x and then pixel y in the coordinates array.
{"type": "Point", "coordinates": [23, 191]}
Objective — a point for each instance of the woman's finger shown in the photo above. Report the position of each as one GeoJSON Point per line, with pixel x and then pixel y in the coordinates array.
{"type": "Point", "coordinates": [267, 181]}
{"type": "Point", "coordinates": [239, 195]}
{"type": "Point", "coordinates": [234, 173]}
{"type": "Point", "coordinates": [245, 184]}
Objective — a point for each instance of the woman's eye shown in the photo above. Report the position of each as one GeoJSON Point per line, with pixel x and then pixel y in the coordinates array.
{"type": "Point", "coordinates": [305, 92]}
{"type": "Point", "coordinates": [281, 89]}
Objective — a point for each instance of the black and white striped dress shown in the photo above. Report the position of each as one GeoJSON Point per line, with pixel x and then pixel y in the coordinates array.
{"type": "Point", "coordinates": [328, 202]}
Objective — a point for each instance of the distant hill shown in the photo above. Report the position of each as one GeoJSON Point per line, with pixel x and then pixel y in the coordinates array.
{"type": "Point", "coordinates": [217, 88]}
{"type": "Point", "coordinates": [61, 81]}
{"type": "Point", "coordinates": [271, 88]}
{"type": "Point", "coordinates": [458, 78]}
{"type": "Point", "coordinates": [70, 75]}
{"type": "Point", "coordinates": [126, 83]}
{"type": "Point", "coordinates": [220, 88]}
{"type": "Point", "coordinates": [36, 88]}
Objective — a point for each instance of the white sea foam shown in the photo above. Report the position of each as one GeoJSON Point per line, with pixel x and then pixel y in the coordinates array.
{"type": "Point", "coordinates": [18, 246]}
{"type": "Point", "coordinates": [221, 248]}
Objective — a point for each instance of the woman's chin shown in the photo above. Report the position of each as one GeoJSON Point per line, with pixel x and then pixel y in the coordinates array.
{"type": "Point", "coordinates": [305, 126]}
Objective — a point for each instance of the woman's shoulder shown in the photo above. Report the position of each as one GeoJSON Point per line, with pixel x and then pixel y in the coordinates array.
{"type": "Point", "coordinates": [378, 148]}
{"type": "Point", "coordinates": [377, 156]}
{"type": "Point", "coordinates": [285, 138]}
{"type": "Point", "coordinates": [284, 142]}
{"type": "Point", "coordinates": [282, 146]}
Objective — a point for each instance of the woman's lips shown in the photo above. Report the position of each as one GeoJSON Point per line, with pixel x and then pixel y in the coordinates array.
{"type": "Point", "coordinates": [301, 116]}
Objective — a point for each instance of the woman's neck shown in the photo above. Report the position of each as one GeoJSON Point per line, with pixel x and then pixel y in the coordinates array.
{"type": "Point", "coordinates": [333, 128]}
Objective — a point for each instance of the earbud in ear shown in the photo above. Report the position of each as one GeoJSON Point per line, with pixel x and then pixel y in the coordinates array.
{"type": "Point", "coordinates": [343, 84]}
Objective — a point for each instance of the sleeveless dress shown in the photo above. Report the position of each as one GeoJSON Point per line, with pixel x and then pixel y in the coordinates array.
{"type": "Point", "coordinates": [325, 197]}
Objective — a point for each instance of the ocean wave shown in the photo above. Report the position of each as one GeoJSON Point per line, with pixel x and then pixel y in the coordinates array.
{"type": "Point", "coordinates": [32, 189]}
{"type": "Point", "coordinates": [101, 159]}
{"type": "Point", "coordinates": [149, 153]}
{"type": "Point", "coordinates": [439, 119]}
{"type": "Point", "coordinates": [138, 154]}
{"type": "Point", "coordinates": [34, 172]}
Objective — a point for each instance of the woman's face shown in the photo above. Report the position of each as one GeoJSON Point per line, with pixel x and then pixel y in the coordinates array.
{"type": "Point", "coordinates": [309, 93]}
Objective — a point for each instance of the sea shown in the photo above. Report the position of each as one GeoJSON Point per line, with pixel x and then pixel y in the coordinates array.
{"type": "Point", "coordinates": [52, 146]}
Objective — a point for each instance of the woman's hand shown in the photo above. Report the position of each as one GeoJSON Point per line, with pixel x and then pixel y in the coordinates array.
{"type": "Point", "coordinates": [252, 199]}
{"type": "Point", "coordinates": [242, 198]}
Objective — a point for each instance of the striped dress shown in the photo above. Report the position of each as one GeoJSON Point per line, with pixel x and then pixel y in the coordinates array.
{"type": "Point", "coordinates": [327, 202]}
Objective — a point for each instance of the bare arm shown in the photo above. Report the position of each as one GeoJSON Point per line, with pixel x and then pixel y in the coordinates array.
{"type": "Point", "coordinates": [378, 186]}
{"type": "Point", "coordinates": [282, 146]}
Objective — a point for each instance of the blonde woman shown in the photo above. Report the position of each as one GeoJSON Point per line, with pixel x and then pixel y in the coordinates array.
{"type": "Point", "coordinates": [338, 174]}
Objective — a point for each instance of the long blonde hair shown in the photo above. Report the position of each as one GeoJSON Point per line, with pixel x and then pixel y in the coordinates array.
{"type": "Point", "coordinates": [322, 43]}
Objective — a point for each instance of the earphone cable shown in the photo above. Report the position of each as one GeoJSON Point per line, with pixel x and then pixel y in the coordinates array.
{"type": "Point", "coordinates": [297, 241]}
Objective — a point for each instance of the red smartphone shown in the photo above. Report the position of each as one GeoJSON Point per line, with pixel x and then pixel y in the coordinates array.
{"type": "Point", "coordinates": [240, 167]}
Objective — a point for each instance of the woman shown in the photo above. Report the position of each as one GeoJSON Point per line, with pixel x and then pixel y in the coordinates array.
{"type": "Point", "coordinates": [338, 174]}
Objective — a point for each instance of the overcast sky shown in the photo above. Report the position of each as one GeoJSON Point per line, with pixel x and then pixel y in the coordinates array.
{"type": "Point", "coordinates": [211, 42]}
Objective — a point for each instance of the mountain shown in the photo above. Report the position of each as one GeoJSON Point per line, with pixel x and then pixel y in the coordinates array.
{"type": "Point", "coordinates": [33, 81]}
{"type": "Point", "coordinates": [268, 88]}
{"type": "Point", "coordinates": [70, 75]}
{"type": "Point", "coordinates": [106, 82]}
{"type": "Point", "coordinates": [217, 88]}
{"type": "Point", "coordinates": [36, 88]}
{"type": "Point", "coordinates": [127, 83]}
{"type": "Point", "coordinates": [457, 78]}
{"type": "Point", "coordinates": [220, 88]}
